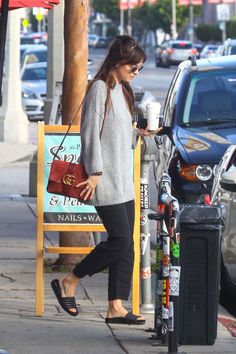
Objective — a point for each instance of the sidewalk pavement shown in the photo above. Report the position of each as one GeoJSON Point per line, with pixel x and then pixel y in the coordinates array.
{"type": "Point", "coordinates": [56, 332]}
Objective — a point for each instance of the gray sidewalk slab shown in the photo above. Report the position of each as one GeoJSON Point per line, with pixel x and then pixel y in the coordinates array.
{"type": "Point", "coordinates": [13, 152]}
{"type": "Point", "coordinates": [56, 332]}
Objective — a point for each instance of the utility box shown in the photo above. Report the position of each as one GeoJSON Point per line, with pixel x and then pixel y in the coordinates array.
{"type": "Point", "coordinates": [200, 234]}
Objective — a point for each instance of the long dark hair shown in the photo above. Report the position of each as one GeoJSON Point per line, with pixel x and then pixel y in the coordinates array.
{"type": "Point", "coordinates": [123, 50]}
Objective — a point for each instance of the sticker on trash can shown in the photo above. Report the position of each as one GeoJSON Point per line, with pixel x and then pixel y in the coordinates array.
{"type": "Point", "coordinates": [174, 280]}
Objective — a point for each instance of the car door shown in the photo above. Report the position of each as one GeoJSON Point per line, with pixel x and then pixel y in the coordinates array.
{"type": "Point", "coordinates": [227, 200]}
{"type": "Point", "coordinates": [169, 115]}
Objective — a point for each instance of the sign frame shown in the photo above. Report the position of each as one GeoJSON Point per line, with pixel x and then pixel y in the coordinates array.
{"type": "Point", "coordinates": [42, 226]}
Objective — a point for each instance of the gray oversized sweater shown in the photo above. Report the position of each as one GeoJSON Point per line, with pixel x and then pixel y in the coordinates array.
{"type": "Point", "coordinates": [111, 154]}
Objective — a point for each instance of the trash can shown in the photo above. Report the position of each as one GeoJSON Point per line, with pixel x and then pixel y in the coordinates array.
{"type": "Point", "coordinates": [200, 234]}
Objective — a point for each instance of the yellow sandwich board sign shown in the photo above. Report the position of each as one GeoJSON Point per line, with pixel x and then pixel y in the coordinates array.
{"type": "Point", "coordinates": [60, 213]}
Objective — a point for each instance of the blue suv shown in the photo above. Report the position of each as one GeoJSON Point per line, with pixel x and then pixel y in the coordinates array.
{"type": "Point", "coordinates": [199, 117]}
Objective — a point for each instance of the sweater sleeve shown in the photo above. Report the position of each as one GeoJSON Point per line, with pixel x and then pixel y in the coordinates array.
{"type": "Point", "coordinates": [91, 125]}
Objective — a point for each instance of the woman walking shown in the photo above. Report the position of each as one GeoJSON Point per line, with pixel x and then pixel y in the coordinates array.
{"type": "Point", "coordinates": [107, 138]}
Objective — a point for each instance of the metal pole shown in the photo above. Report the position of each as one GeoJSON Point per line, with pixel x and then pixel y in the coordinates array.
{"type": "Point", "coordinates": [146, 286]}
{"type": "Point", "coordinates": [191, 21]}
{"type": "Point", "coordinates": [159, 217]}
{"type": "Point", "coordinates": [129, 27]}
{"type": "Point", "coordinates": [174, 278]}
{"type": "Point", "coordinates": [174, 30]}
{"type": "Point", "coordinates": [121, 21]}
{"type": "Point", "coordinates": [3, 33]}
{"type": "Point", "coordinates": [148, 154]}
{"type": "Point", "coordinates": [223, 31]}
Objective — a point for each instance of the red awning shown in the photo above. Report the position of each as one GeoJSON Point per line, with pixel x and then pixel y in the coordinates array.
{"type": "Point", "coordinates": [16, 4]}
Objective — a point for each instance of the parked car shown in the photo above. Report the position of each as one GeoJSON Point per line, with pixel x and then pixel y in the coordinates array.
{"type": "Point", "coordinates": [199, 118]}
{"type": "Point", "coordinates": [33, 38]}
{"type": "Point", "coordinates": [23, 48]}
{"type": "Point", "coordinates": [209, 51]}
{"type": "Point", "coordinates": [35, 53]}
{"type": "Point", "coordinates": [173, 52]}
{"type": "Point", "coordinates": [34, 85]}
{"type": "Point", "coordinates": [219, 50]}
{"type": "Point", "coordinates": [199, 47]}
{"type": "Point", "coordinates": [96, 41]}
{"type": "Point", "coordinates": [224, 195]}
{"type": "Point", "coordinates": [229, 47]}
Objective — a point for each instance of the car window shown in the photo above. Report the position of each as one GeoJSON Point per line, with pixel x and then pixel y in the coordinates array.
{"type": "Point", "coordinates": [171, 97]}
{"type": "Point", "coordinates": [232, 162]}
{"type": "Point", "coordinates": [27, 40]}
{"type": "Point", "coordinates": [35, 57]}
{"type": "Point", "coordinates": [232, 50]}
{"type": "Point", "coordinates": [211, 97]}
{"type": "Point", "coordinates": [34, 74]}
{"type": "Point", "coordinates": [182, 45]}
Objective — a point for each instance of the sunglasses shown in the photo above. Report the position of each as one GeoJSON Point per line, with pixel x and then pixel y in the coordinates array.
{"type": "Point", "coordinates": [135, 68]}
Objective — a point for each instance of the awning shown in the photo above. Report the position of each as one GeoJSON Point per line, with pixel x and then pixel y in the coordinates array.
{"type": "Point", "coordinates": [16, 4]}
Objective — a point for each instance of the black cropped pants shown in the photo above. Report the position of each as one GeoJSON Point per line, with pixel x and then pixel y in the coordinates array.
{"type": "Point", "coordinates": [117, 253]}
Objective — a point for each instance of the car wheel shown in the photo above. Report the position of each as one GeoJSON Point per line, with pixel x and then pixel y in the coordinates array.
{"type": "Point", "coordinates": [166, 64]}
{"type": "Point", "coordinates": [227, 290]}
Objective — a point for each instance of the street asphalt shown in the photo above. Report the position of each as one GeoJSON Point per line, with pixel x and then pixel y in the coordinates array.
{"type": "Point", "coordinates": [56, 332]}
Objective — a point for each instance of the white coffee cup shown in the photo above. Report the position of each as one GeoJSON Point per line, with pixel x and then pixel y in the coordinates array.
{"type": "Point", "coordinates": [153, 115]}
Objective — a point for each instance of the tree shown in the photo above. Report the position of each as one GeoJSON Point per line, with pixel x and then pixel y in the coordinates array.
{"type": "Point", "coordinates": [208, 33]}
{"type": "Point", "coordinates": [159, 15]}
{"type": "Point", "coordinates": [74, 86]}
{"type": "Point", "coordinates": [108, 7]}
{"type": "Point", "coordinates": [231, 28]}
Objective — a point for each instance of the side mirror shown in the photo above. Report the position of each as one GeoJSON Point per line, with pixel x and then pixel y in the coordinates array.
{"type": "Point", "coordinates": [228, 180]}
{"type": "Point", "coordinates": [161, 120]}
{"type": "Point", "coordinates": [165, 131]}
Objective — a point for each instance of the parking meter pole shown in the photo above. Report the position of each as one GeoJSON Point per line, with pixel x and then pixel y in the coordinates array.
{"type": "Point", "coordinates": [174, 277]}
{"type": "Point", "coordinates": [159, 269]}
{"type": "Point", "coordinates": [148, 149]}
{"type": "Point", "coordinates": [145, 272]}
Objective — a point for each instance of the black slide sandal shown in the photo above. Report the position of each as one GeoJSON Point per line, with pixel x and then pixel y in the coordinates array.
{"type": "Point", "coordinates": [66, 303]}
{"type": "Point", "coordinates": [129, 319]}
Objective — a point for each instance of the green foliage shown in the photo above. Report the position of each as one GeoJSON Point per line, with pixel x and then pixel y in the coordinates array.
{"type": "Point", "coordinates": [208, 33]}
{"type": "Point", "coordinates": [231, 28]}
{"type": "Point", "coordinates": [148, 17]}
{"type": "Point", "coordinates": [111, 31]}
{"type": "Point", "coordinates": [108, 7]}
{"type": "Point", "coordinates": [159, 15]}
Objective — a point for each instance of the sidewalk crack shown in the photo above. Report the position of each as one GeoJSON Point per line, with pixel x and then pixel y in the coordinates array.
{"type": "Point", "coordinates": [112, 332]}
{"type": "Point", "coordinates": [7, 277]}
{"type": "Point", "coordinates": [45, 235]}
{"type": "Point", "coordinates": [117, 339]}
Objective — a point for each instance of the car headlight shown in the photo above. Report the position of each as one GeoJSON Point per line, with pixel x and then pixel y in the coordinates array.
{"type": "Point", "coordinates": [204, 172]}
{"type": "Point", "coordinates": [195, 173]}
{"type": "Point", "coordinates": [28, 94]}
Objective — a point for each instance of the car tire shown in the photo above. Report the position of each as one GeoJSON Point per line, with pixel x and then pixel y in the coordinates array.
{"type": "Point", "coordinates": [158, 64]}
{"type": "Point", "coordinates": [166, 64]}
{"type": "Point", "coordinates": [227, 290]}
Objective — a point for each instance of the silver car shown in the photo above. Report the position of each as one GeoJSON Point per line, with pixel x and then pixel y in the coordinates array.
{"type": "Point", "coordinates": [34, 86]}
{"type": "Point", "coordinates": [224, 195]}
{"type": "Point", "coordinates": [174, 52]}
